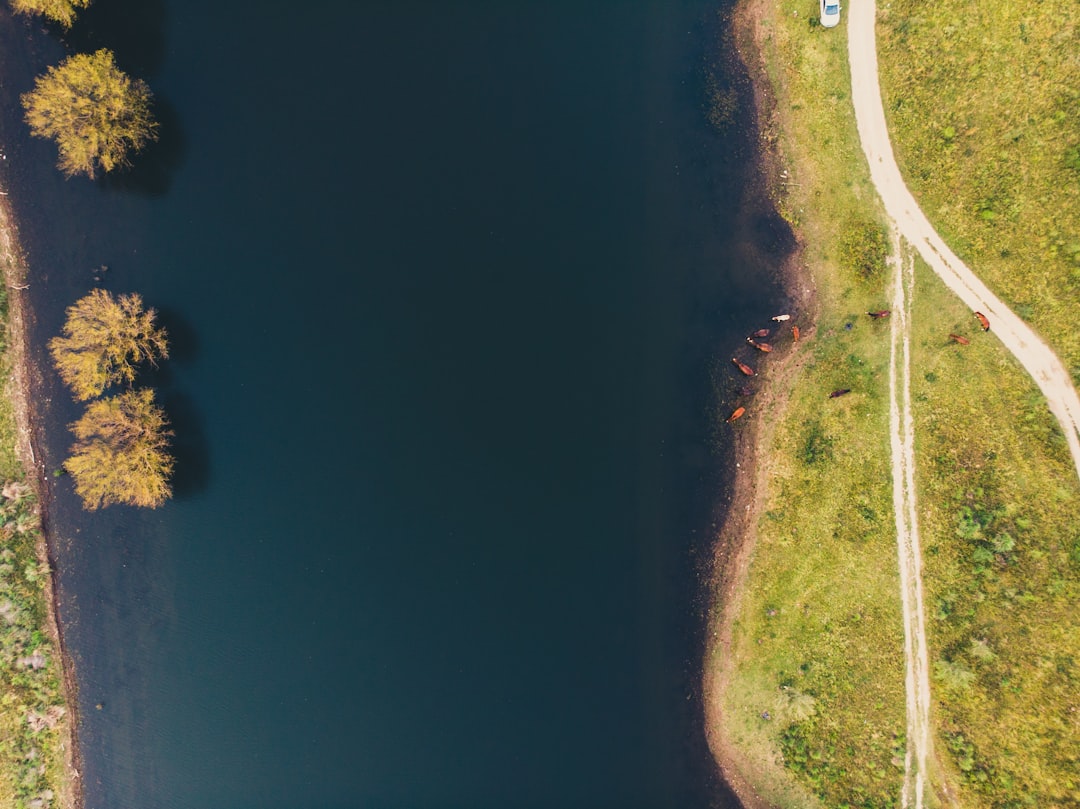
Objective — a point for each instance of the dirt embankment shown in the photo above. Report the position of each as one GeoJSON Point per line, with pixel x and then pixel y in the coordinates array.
{"type": "Point", "coordinates": [22, 381]}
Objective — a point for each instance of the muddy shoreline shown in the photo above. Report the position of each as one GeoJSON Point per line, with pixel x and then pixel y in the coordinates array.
{"type": "Point", "coordinates": [24, 380]}
{"type": "Point", "coordinates": [735, 541]}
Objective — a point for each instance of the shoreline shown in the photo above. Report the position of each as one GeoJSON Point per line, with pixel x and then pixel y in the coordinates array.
{"type": "Point", "coordinates": [735, 541]}
{"type": "Point", "coordinates": [20, 385]}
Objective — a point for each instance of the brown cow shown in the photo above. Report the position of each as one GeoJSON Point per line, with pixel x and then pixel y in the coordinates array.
{"type": "Point", "coordinates": [795, 333]}
{"type": "Point", "coordinates": [760, 333]}
{"type": "Point", "coordinates": [880, 313]}
{"type": "Point", "coordinates": [746, 369]}
{"type": "Point", "coordinates": [983, 321]}
{"type": "Point", "coordinates": [956, 338]}
{"type": "Point", "coordinates": [759, 346]}
{"type": "Point", "coordinates": [736, 414]}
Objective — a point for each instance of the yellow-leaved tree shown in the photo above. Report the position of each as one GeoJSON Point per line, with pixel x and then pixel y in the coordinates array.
{"type": "Point", "coordinates": [61, 11]}
{"type": "Point", "coordinates": [96, 113]}
{"type": "Point", "coordinates": [121, 453]}
{"type": "Point", "coordinates": [104, 338]}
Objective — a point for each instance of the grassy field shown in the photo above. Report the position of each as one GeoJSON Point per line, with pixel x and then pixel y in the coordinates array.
{"type": "Point", "coordinates": [34, 723]}
{"type": "Point", "coordinates": [999, 500]}
{"type": "Point", "coordinates": [817, 644]}
{"type": "Point", "coordinates": [983, 102]}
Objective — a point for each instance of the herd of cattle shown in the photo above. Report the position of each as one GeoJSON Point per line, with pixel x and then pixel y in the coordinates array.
{"type": "Point", "coordinates": [756, 340]}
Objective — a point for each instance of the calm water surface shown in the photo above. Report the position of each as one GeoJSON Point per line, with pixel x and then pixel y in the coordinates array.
{"type": "Point", "coordinates": [452, 287]}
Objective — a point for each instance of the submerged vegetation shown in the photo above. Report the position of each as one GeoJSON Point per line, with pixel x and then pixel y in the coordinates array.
{"type": "Point", "coordinates": [812, 698]}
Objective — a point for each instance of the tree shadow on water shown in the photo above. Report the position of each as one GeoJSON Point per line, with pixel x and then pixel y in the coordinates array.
{"type": "Point", "coordinates": [133, 29]}
{"type": "Point", "coordinates": [190, 449]}
{"type": "Point", "coordinates": [152, 169]}
{"type": "Point", "coordinates": [183, 341]}
{"type": "Point", "coordinates": [189, 440]}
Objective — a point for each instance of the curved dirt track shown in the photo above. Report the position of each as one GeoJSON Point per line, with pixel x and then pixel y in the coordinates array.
{"type": "Point", "coordinates": [1045, 368]}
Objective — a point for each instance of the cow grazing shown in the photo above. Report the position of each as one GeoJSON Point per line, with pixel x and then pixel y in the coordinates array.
{"type": "Point", "coordinates": [759, 346]}
{"type": "Point", "coordinates": [879, 314]}
{"type": "Point", "coordinates": [956, 338]}
{"type": "Point", "coordinates": [836, 394]}
{"type": "Point", "coordinates": [736, 414]}
{"type": "Point", "coordinates": [983, 321]}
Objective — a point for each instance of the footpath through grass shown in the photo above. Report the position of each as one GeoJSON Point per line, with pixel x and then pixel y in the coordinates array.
{"type": "Point", "coordinates": [814, 699]}
{"type": "Point", "coordinates": [982, 101]}
{"type": "Point", "coordinates": [999, 505]}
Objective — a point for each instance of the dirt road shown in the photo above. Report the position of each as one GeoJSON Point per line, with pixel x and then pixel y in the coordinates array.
{"type": "Point", "coordinates": [1047, 370]}
{"type": "Point", "coordinates": [1043, 365]}
{"type": "Point", "coordinates": [909, 553]}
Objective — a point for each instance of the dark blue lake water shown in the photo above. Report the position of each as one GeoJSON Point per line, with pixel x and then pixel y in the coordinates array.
{"type": "Point", "coordinates": [452, 288]}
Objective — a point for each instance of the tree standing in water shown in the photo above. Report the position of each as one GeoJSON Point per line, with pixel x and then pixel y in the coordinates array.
{"type": "Point", "coordinates": [61, 11]}
{"type": "Point", "coordinates": [96, 113]}
{"type": "Point", "coordinates": [103, 340]}
{"type": "Point", "coordinates": [121, 453]}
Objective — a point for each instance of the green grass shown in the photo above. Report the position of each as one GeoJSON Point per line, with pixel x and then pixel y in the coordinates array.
{"type": "Point", "coordinates": [34, 725]}
{"type": "Point", "coordinates": [818, 641]}
{"type": "Point", "coordinates": [32, 721]}
{"type": "Point", "coordinates": [11, 467]}
{"type": "Point", "coordinates": [999, 500]}
{"type": "Point", "coordinates": [817, 632]}
{"type": "Point", "coordinates": [983, 102]}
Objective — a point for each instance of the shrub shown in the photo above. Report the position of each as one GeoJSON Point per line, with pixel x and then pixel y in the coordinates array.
{"type": "Point", "coordinates": [864, 249]}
